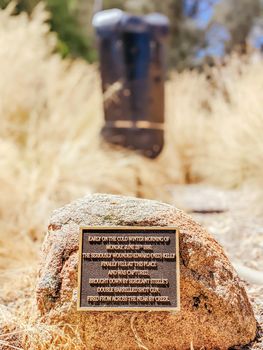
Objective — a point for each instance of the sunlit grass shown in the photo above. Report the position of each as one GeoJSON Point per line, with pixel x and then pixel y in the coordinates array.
{"type": "Point", "coordinates": [51, 152]}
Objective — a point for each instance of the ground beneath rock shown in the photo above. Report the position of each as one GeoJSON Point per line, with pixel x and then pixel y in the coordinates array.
{"type": "Point", "coordinates": [230, 216]}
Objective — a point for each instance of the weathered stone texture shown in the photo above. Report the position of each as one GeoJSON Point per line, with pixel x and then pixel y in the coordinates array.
{"type": "Point", "coordinates": [215, 311]}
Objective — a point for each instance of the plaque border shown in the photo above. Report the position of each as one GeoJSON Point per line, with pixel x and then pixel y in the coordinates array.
{"type": "Point", "coordinates": [130, 308]}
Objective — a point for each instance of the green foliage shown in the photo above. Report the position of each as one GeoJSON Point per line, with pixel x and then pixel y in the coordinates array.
{"type": "Point", "coordinates": [114, 4]}
{"type": "Point", "coordinates": [3, 3]}
{"type": "Point", "coordinates": [71, 20]}
{"type": "Point", "coordinates": [72, 40]}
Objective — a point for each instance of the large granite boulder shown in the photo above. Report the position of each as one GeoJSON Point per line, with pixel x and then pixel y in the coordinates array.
{"type": "Point", "coordinates": [215, 310]}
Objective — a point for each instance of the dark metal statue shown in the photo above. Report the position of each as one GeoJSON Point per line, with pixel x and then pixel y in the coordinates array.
{"type": "Point", "coordinates": [132, 55]}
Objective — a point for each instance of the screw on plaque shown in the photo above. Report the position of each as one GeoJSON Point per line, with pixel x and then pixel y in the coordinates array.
{"type": "Point", "coordinates": [132, 65]}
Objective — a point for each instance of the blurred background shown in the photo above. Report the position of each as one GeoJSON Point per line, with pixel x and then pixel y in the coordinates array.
{"type": "Point", "coordinates": [201, 30]}
{"type": "Point", "coordinates": [51, 151]}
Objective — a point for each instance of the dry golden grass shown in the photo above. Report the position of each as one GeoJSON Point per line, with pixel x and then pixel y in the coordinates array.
{"type": "Point", "coordinates": [218, 122]}
{"type": "Point", "coordinates": [50, 152]}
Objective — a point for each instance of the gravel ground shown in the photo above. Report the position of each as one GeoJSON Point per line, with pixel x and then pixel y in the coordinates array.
{"type": "Point", "coordinates": [231, 217]}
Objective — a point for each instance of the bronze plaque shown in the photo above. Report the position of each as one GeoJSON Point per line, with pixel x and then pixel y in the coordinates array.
{"type": "Point", "coordinates": [129, 268]}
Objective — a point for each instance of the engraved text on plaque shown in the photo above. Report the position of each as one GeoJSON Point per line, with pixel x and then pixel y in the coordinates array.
{"type": "Point", "coordinates": [128, 268]}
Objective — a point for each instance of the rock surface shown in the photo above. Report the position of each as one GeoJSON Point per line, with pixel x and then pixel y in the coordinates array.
{"type": "Point", "coordinates": [215, 311]}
